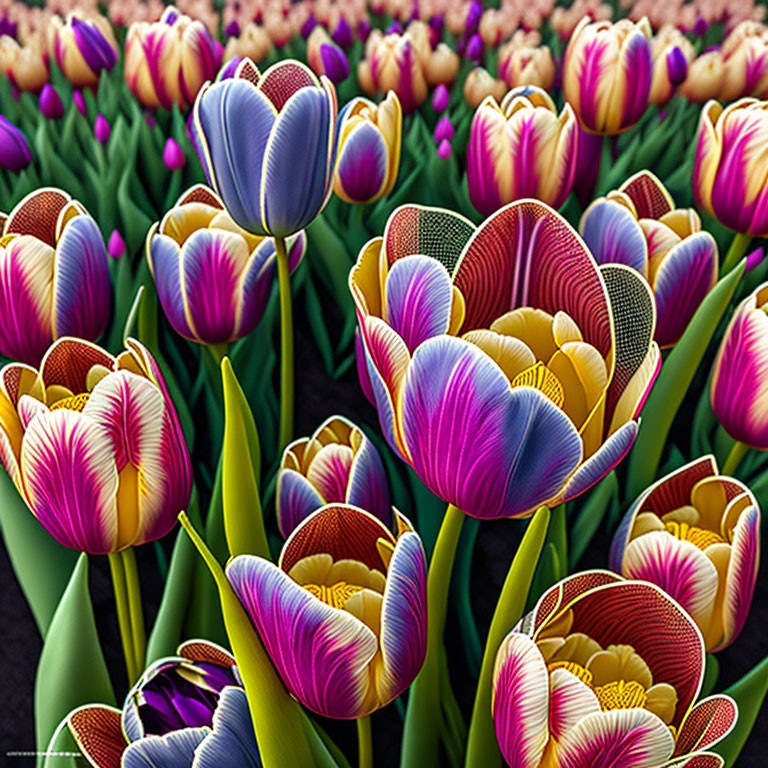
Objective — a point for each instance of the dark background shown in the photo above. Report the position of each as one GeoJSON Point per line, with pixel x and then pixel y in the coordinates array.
{"type": "Point", "coordinates": [317, 397]}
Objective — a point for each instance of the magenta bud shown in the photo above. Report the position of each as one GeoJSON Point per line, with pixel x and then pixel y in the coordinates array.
{"type": "Point", "coordinates": [173, 155]}
{"type": "Point", "coordinates": [443, 130]}
{"type": "Point", "coordinates": [308, 26]}
{"type": "Point", "coordinates": [364, 29]}
{"type": "Point", "coordinates": [150, 119]}
{"type": "Point", "coordinates": [394, 28]}
{"type": "Point", "coordinates": [700, 27]}
{"type": "Point", "coordinates": [473, 18]}
{"type": "Point", "coordinates": [342, 35]}
{"type": "Point", "coordinates": [79, 101]}
{"type": "Point", "coordinates": [232, 29]}
{"type": "Point", "coordinates": [444, 149]}
{"type": "Point", "coordinates": [474, 50]}
{"type": "Point", "coordinates": [440, 98]}
{"type": "Point", "coordinates": [101, 129]}
{"type": "Point", "coordinates": [755, 258]}
{"type": "Point", "coordinates": [677, 66]}
{"type": "Point", "coordinates": [14, 149]}
{"type": "Point", "coordinates": [116, 245]}
{"type": "Point", "coordinates": [335, 63]}
{"type": "Point", "coordinates": [50, 103]}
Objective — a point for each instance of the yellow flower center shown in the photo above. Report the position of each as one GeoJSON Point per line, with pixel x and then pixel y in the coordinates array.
{"type": "Point", "coordinates": [575, 669]}
{"type": "Point", "coordinates": [699, 537]}
{"type": "Point", "coordinates": [540, 377]}
{"type": "Point", "coordinates": [335, 595]}
{"type": "Point", "coordinates": [74, 403]}
{"type": "Point", "coordinates": [620, 694]}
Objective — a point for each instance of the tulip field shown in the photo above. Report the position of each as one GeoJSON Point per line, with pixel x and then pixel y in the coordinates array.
{"type": "Point", "coordinates": [383, 383]}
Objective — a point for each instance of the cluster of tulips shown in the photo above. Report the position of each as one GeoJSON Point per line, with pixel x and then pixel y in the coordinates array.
{"type": "Point", "coordinates": [529, 234]}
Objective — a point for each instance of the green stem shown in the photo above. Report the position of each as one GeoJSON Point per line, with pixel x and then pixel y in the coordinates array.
{"type": "Point", "coordinates": [123, 613]}
{"type": "Point", "coordinates": [364, 745]}
{"type": "Point", "coordinates": [133, 590]}
{"type": "Point", "coordinates": [286, 345]}
{"type": "Point", "coordinates": [558, 535]}
{"type": "Point", "coordinates": [738, 248]}
{"type": "Point", "coordinates": [218, 351]}
{"type": "Point", "coordinates": [421, 736]}
{"type": "Point", "coordinates": [738, 452]}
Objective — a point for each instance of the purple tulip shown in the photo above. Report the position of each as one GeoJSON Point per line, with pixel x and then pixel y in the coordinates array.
{"type": "Point", "coordinates": [335, 63]}
{"type": "Point", "coordinates": [173, 155]}
{"type": "Point", "coordinates": [443, 130]}
{"type": "Point", "coordinates": [342, 35]}
{"type": "Point", "coordinates": [700, 27]}
{"type": "Point", "coordinates": [364, 29]}
{"type": "Point", "coordinates": [232, 29]}
{"type": "Point", "coordinates": [14, 149]}
{"type": "Point", "coordinates": [394, 28]}
{"type": "Point", "coordinates": [229, 69]}
{"type": "Point", "coordinates": [96, 50]}
{"type": "Point", "coordinates": [755, 258]}
{"type": "Point", "coordinates": [677, 66]}
{"type": "Point", "coordinates": [101, 129]}
{"type": "Point", "coordinates": [440, 98]}
{"type": "Point", "coordinates": [116, 245]}
{"type": "Point", "coordinates": [474, 50]}
{"type": "Point", "coordinates": [444, 149]}
{"type": "Point", "coordinates": [473, 18]}
{"type": "Point", "coordinates": [50, 103]}
{"type": "Point", "coordinates": [308, 26]}
{"type": "Point", "coordinates": [79, 101]}
{"type": "Point", "coordinates": [436, 27]}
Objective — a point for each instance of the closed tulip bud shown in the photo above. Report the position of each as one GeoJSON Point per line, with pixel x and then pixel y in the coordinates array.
{"type": "Point", "coordinates": [730, 173]}
{"type": "Point", "coordinates": [116, 245]}
{"type": "Point", "coordinates": [745, 63]}
{"type": "Point", "coordinates": [101, 129]}
{"type": "Point", "coordinates": [173, 155]}
{"type": "Point", "coordinates": [440, 98]}
{"type": "Point", "coordinates": [50, 103]}
{"type": "Point", "coordinates": [363, 29]}
{"type": "Point", "coordinates": [396, 66]}
{"type": "Point", "coordinates": [480, 84]}
{"type": "Point", "coordinates": [342, 35]}
{"type": "Point", "coordinates": [443, 130]}
{"type": "Point", "coordinates": [520, 65]}
{"type": "Point", "coordinates": [607, 74]}
{"type": "Point", "coordinates": [14, 149]}
{"type": "Point", "coordinates": [83, 48]}
{"type": "Point", "coordinates": [474, 51]}
{"type": "Point", "coordinates": [317, 38]}
{"type": "Point", "coordinates": [526, 125]}
{"type": "Point", "coordinates": [444, 149]}
{"type": "Point", "coordinates": [253, 43]}
{"type": "Point", "coordinates": [368, 154]}
{"type": "Point", "coordinates": [754, 259]}
{"type": "Point", "coordinates": [26, 67]}
{"type": "Point", "coordinates": [670, 51]}
{"type": "Point", "coordinates": [436, 28]}
{"type": "Point", "coordinates": [442, 66]}
{"type": "Point", "coordinates": [335, 63]}
{"type": "Point", "coordinates": [474, 14]}
{"type": "Point", "coordinates": [705, 77]}
{"type": "Point", "coordinates": [232, 29]}
{"type": "Point", "coordinates": [79, 101]}
{"type": "Point", "coordinates": [677, 66]}
{"type": "Point", "coordinates": [309, 25]}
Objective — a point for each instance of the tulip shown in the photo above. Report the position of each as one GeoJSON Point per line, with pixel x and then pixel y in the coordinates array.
{"type": "Point", "coordinates": [521, 149]}
{"type": "Point", "coordinates": [54, 277]}
{"type": "Point", "coordinates": [705, 77]}
{"type": "Point", "coordinates": [607, 74]}
{"type": "Point", "coordinates": [731, 170]}
{"type": "Point", "coordinates": [116, 245]}
{"type": "Point", "coordinates": [213, 279]}
{"type": "Point", "coordinates": [79, 101]}
{"type": "Point", "coordinates": [444, 149]}
{"type": "Point", "coordinates": [474, 50]}
{"type": "Point", "coordinates": [695, 534]}
{"type": "Point", "coordinates": [337, 464]}
{"type": "Point", "coordinates": [342, 35]}
{"type": "Point", "coordinates": [368, 149]}
{"type": "Point", "coordinates": [605, 672]}
{"type": "Point", "coordinates": [481, 85]}
{"type": "Point", "coordinates": [253, 43]}
{"type": "Point", "coordinates": [187, 706]}
{"type": "Point", "coordinates": [14, 148]}
{"type": "Point", "coordinates": [639, 226]}
{"type": "Point", "coordinates": [442, 67]}
{"type": "Point", "coordinates": [101, 129]}
{"type": "Point", "coordinates": [167, 62]}
{"type": "Point", "coordinates": [519, 66]}
{"type": "Point", "coordinates": [677, 66]}
{"type": "Point", "coordinates": [335, 63]}
{"type": "Point", "coordinates": [173, 155]}
{"type": "Point", "coordinates": [481, 341]}
{"type": "Point", "coordinates": [440, 98]}
{"type": "Point", "coordinates": [739, 388]}
{"type": "Point", "coordinates": [343, 613]}
{"type": "Point", "coordinates": [83, 48]}
{"type": "Point", "coordinates": [107, 422]}
{"type": "Point", "coordinates": [232, 29]}
{"type": "Point", "coordinates": [745, 63]}
{"type": "Point", "coordinates": [671, 52]}
{"type": "Point", "coordinates": [50, 103]}
{"type": "Point", "coordinates": [443, 130]}
{"type": "Point", "coordinates": [395, 65]}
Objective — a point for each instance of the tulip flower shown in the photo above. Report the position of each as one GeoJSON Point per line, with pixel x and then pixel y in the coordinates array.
{"type": "Point", "coordinates": [639, 226]}
{"type": "Point", "coordinates": [480, 85]}
{"type": "Point", "coordinates": [335, 63]}
{"type": "Point", "coordinates": [253, 43]}
{"type": "Point", "coordinates": [444, 130]}
{"type": "Point", "coordinates": [395, 65]}
{"type": "Point", "coordinates": [79, 101]}
{"type": "Point", "coordinates": [337, 464]}
{"type": "Point", "coordinates": [167, 62]}
{"type": "Point", "coordinates": [607, 74]}
{"type": "Point", "coordinates": [483, 342]}
{"type": "Point", "coordinates": [343, 613]}
{"type": "Point", "coordinates": [50, 103]}
{"type": "Point", "coordinates": [705, 77]}
{"type": "Point", "coordinates": [522, 61]}
{"type": "Point", "coordinates": [173, 155]}
{"type": "Point", "coordinates": [525, 126]}
{"type": "Point", "coordinates": [83, 48]}
{"type": "Point", "coordinates": [54, 277]}
{"type": "Point", "coordinates": [116, 245]}
{"type": "Point", "coordinates": [695, 534]}
{"type": "Point", "coordinates": [440, 98]}
{"type": "Point", "coordinates": [14, 148]}
{"type": "Point", "coordinates": [745, 63]}
{"type": "Point", "coordinates": [368, 155]}
{"type": "Point", "coordinates": [739, 389]}
{"type": "Point", "coordinates": [186, 707]}
{"type": "Point", "coordinates": [671, 53]}
{"type": "Point", "coordinates": [606, 672]}
{"type": "Point", "coordinates": [444, 149]}
{"type": "Point", "coordinates": [107, 422]}
{"type": "Point", "coordinates": [101, 129]}
{"type": "Point", "coordinates": [731, 170]}
{"type": "Point", "coordinates": [25, 66]}
{"type": "Point", "coordinates": [213, 279]}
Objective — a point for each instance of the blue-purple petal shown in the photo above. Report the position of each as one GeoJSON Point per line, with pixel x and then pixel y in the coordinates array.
{"type": "Point", "coordinates": [296, 500]}
{"type": "Point", "coordinates": [368, 486]}
{"type": "Point", "coordinates": [614, 235]}
{"type": "Point", "coordinates": [232, 742]}
{"type": "Point", "coordinates": [363, 163]}
{"type": "Point", "coordinates": [165, 259]}
{"type": "Point", "coordinates": [174, 750]}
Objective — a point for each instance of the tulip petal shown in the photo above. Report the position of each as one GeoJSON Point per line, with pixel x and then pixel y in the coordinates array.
{"type": "Point", "coordinates": [37, 214]}
{"type": "Point", "coordinates": [648, 195]}
{"type": "Point", "coordinates": [368, 485]}
{"type": "Point", "coordinates": [164, 256]}
{"type": "Point", "coordinates": [711, 720]}
{"type": "Point", "coordinates": [569, 701]}
{"type": "Point", "coordinates": [232, 741]}
{"type": "Point", "coordinates": [474, 442]}
{"type": "Point", "coordinates": [321, 653]}
{"type": "Point", "coordinates": [518, 258]}
{"type": "Point", "coordinates": [614, 236]}
{"type": "Point", "coordinates": [174, 750]}
{"type": "Point", "coordinates": [296, 500]}
{"type": "Point", "coordinates": [419, 297]}
{"type": "Point", "coordinates": [285, 78]}
{"type": "Point", "coordinates": [520, 704]}
{"type": "Point", "coordinates": [71, 481]}
{"type": "Point", "coordinates": [363, 164]}
{"type": "Point", "coordinates": [68, 361]}
{"type": "Point", "coordinates": [631, 738]}
{"type": "Point", "coordinates": [98, 734]}
{"type": "Point", "coordinates": [684, 277]}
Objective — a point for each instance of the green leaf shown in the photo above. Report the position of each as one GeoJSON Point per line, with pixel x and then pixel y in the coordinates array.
{"type": "Point", "coordinates": [241, 456]}
{"type": "Point", "coordinates": [71, 671]}
{"type": "Point", "coordinates": [711, 673]}
{"type": "Point", "coordinates": [673, 382]}
{"type": "Point", "coordinates": [40, 563]}
{"type": "Point", "coordinates": [605, 493]}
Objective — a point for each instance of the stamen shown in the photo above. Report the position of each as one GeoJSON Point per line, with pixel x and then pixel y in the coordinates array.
{"type": "Point", "coordinates": [540, 377]}
{"type": "Point", "coordinates": [335, 595]}
{"type": "Point", "coordinates": [699, 537]}
{"type": "Point", "coordinates": [575, 669]}
{"type": "Point", "coordinates": [621, 694]}
{"type": "Point", "coordinates": [74, 403]}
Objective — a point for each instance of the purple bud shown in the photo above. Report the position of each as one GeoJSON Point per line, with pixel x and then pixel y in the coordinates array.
{"type": "Point", "coordinates": [474, 50]}
{"type": "Point", "coordinates": [116, 245]}
{"type": "Point", "coordinates": [228, 70]}
{"type": "Point", "coordinates": [677, 66]}
{"type": "Point", "coordinates": [443, 130]}
{"type": "Point", "coordinates": [415, 10]}
{"type": "Point", "coordinates": [101, 129]}
{"type": "Point", "coordinates": [663, 115]}
{"type": "Point", "coordinates": [444, 149]}
{"type": "Point", "coordinates": [149, 118]}
{"type": "Point", "coordinates": [394, 28]}
{"type": "Point", "coordinates": [79, 101]}
{"type": "Point", "coordinates": [232, 29]}
{"type": "Point", "coordinates": [50, 103]}
{"type": "Point", "coordinates": [755, 258]}
{"type": "Point", "coordinates": [342, 35]}
{"type": "Point", "coordinates": [308, 26]}
{"type": "Point", "coordinates": [473, 18]}
{"type": "Point", "coordinates": [436, 27]}
{"type": "Point", "coordinates": [15, 92]}
{"type": "Point", "coordinates": [14, 150]}
{"type": "Point", "coordinates": [700, 27]}
{"type": "Point", "coordinates": [173, 155]}
{"type": "Point", "coordinates": [440, 98]}
{"type": "Point", "coordinates": [335, 63]}
{"type": "Point", "coordinates": [461, 45]}
{"type": "Point", "coordinates": [170, 15]}
{"type": "Point", "coordinates": [95, 49]}
{"type": "Point", "coordinates": [364, 29]}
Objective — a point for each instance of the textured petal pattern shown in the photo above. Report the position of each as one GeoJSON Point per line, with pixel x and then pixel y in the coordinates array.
{"type": "Point", "coordinates": [174, 750]}
{"type": "Point", "coordinates": [363, 164]}
{"type": "Point", "coordinates": [232, 741]}
{"type": "Point", "coordinates": [707, 723]}
{"type": "Point", "coordinates": [97, 732]}
{"type": "Point", "coordinates": [296, 500]}
{"type": "Point", "coordinates": [614, 236]}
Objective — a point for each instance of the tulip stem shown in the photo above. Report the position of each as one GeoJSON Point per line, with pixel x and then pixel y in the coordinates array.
{"type": "Point", "coordinates": [737, 453]}
{"type": "Point", "coordinates": [123, 614]}
{"type": "Point", "coordinates": [364, 745]}
{"type": "Point", "coordinates": [738, 248]}
{"type": "Point", "coordinates": [133, 591]}
{"type": "Point", "coordinates": [218, 352]}
{"type": "Point", "coordinates": [421, 736]}
{"type": "Point", "coordinates": [286, 345]}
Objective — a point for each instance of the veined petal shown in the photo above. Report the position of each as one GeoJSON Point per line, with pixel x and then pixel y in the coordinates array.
{"type": "Point", "coordinates": [710, 721]}
{"type": "Point", "coordinates": [321, 653]}
{"type": "Point", "coordinates": [363, 165]}
{"type": "Point", "coordinates": [368, 486]}
{"type": "Point", "coordinates": [37, 214]}
{"type": "Point", "coordinates": [174, 750]}
{"type": "Point", "coordinates": [68, 361]}
{"type": "Point", "coordinates": [648, 195]}
{"type": "Point", "coordinates": [285, 78]}
{"type": "Point", "coordinates": [296, 499]}
{"type": "Point", "coordinates": [570, 700]}
{"type": "Point", "coordinates": [98, 734]}
{"type": "Point", "coordinates": [489, 166]}
{"type": "Point", "coordinates": [614, 235]}
{"type": "Point", "coordinates": [232, 741]}
{"type": "Point", "coordinates": [164, 257]}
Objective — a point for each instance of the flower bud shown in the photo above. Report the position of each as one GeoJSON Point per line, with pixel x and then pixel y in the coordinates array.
{"type": "Point", "coordinates": [50, 103]}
